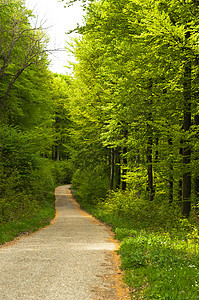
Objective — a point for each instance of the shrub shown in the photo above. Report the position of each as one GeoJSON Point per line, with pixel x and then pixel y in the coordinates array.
{"type": "Point", "coordinates": [62, 172]}
{"type": "Point", "coordinates": [142, 212]}
{"type": "Point", "coordinates": [91, 184]}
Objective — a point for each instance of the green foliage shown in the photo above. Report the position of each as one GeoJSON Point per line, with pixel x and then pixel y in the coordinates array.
{"type": "Point", "coordinates": [147, 214]}
{"type": "Point", "coordinates": [62, 171]}
{"type": "Point", "coordinates": [90, 184]}
{"type": "Point", "coordinates": [61, 116]}
{"type": "Point", "coordinates": [25, 176]}
{"type": "Point", "coordinates": [22, 46]}
{"type": "Point", "coordinates": [129, 92]}
{"type": "Point", "coordinates": [34, 125]}
{"type": "Point", "coordinates": [40, 218]}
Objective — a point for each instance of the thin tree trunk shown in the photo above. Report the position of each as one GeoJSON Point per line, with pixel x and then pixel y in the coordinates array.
{"type": "Point", "coordinates": [196, 121]}
{"type": "Point", "coordinates": [196, 177]}
{"type": "Point", "coordinates": [57, 151]}
{"type": "Point", "coordinates": [150, 169]}
{"type": "Point", "coordinates": [186, 204]}
{"type": "Point", "coordinates": [118, 168]}
{"type": "Point", "coordinates": [170, 175]}
{"type": "Point", "coordinates": [112, 168]}
{"type": "Point", "coordinates": [180, 180]}
{"type": "Point", "coordinates": [150, 188]}
{"type": "Point", "coordinates": [156, 152]}
{"type": "Point", "coordinates": [52, 156]}
{"type": "Point", "coordinates": [124, 171]}
{"type": "Point", "coordinates": [137, 167]}
{"type": "Point", "coordinates": [156, 161]}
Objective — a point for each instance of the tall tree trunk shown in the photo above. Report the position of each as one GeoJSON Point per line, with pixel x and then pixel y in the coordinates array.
{"type": "Point", "coordinates": [156, 160]}
{"type": "Point", "coordinates": [112, 168]}
{"type": "Point", "coordinates": [156, 151]}
{"type": "Point", "coordinates": [124, 171]}
{"type": "Point", "coordinates": [180, 180]}
{"type": "Point", "coordinates": [137, 167]}
{"type": "Point", "coordinates": [57, 143]}
{"type": "Point", "coordinates": [196, 177]}
{"type": "Point", "coordinates": [150, 188]}
{"type": "Point", "coordinates": [118, 167]}
{"type": "Point", "coordinates": [196, 121]}
{"type": "Point", "coordinates": [57, 152]}
{"type": "Point", "coordinates": [186, 204]}
{"type": "Point", "coordinates": [150, 169]}
{"type": "Point", "coordinates": [171, 174]}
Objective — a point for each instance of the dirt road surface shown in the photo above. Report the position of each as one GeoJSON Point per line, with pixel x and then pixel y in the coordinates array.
{"type": "Point", "coordinates": [73, 258]}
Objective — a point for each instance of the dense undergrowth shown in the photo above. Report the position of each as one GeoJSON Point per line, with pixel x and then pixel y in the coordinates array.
{"type": "Point", "coordinates": [159, 250]}
{"type": "Point", "coordinates": [28, 180]}
{"type": "Point", "coordinates": [26, 210]}
{"type": "Point", "coordinates": [27, 225]}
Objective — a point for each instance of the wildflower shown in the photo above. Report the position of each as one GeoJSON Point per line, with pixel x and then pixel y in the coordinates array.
{"type": "Point", "coordinates": [192, 266]}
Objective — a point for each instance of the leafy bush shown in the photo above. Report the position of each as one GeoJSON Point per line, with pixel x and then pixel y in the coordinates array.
{"type": "Point", "coordinates": [38, 219]}
{"type": "Point", "coordinates": [91, 184]}
{"type": "Point", "coordinates": [143, 213]}
{"type": "Point", "coordinates": [26, 178]}
{"type": "Point", "coordinates": [62, 172]}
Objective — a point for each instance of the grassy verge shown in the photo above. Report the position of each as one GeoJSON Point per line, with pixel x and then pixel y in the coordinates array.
{"type": "Point", "coordinates": [158, 263]}
{"type": "Point", "coordinates": [39, 219]}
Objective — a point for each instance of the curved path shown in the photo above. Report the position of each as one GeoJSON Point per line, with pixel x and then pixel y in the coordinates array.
{"type": "Point", "coordinates": [71, 259]}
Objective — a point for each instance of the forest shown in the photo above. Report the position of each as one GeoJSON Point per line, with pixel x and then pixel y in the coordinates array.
{"type": "Point", "coordinates": [123, 128]}
{"type": "Point", "coordinates": [32, 100]}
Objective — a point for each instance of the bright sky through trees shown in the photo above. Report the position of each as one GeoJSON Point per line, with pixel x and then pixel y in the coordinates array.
{"type": "Point", "coordinates": [58, 20]}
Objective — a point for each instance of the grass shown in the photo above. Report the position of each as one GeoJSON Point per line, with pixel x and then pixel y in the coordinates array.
{"type": "Point", "coordinates": [29, 224]}
{"type": "Point", "coordinates": [159, 262]}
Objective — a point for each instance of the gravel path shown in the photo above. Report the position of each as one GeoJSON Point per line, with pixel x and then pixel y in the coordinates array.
{"type": "Point", "coordinates": [71, 259]}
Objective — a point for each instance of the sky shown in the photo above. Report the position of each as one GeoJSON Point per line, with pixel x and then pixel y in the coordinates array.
{"type": "Point", "coordinates": [58, 20]}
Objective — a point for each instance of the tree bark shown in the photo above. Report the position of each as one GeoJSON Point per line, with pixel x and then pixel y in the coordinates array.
{"type": "Point", "coordinates": [156, 152]}
{"type": "Point", "coordinates": [118, 168]}
{"type": "Point", "coordinates": [57, 150]}
{"type": "Point", "coordinates": [150, 169]}
{"type": "Point", "coordinates": [196, 121]}
{"type": "Point", "coordinates": [180, 180]}
{"type": "Point", "coordinates": [170, 175]}
{"type": "Point", "coordinates": [112, 168]}
{"type": "Point", "coordinates": [150, 187]}
{"type": "Point", "coordinates": [137, 168]}
{"type": "Point", "coordinates": [186, 204]}
{"type": "Point", "coordinates": [124, 171]}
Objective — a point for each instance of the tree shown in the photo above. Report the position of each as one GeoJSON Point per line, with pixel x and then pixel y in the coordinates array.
{"type": "Point", "coordinates": [179, 26]}
{"type": "Point", "coordinates": [21, 45]}
{"type": "Point", "coordinates": [26, 124]}
{"type": "Point", "coordinates": [61, 120]}
{"type": "Point", "coordinates": [136, 71]}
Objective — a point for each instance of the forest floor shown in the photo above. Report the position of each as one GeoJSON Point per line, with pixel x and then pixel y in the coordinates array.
{"type": "Point", "coordinates": [73, 258]}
